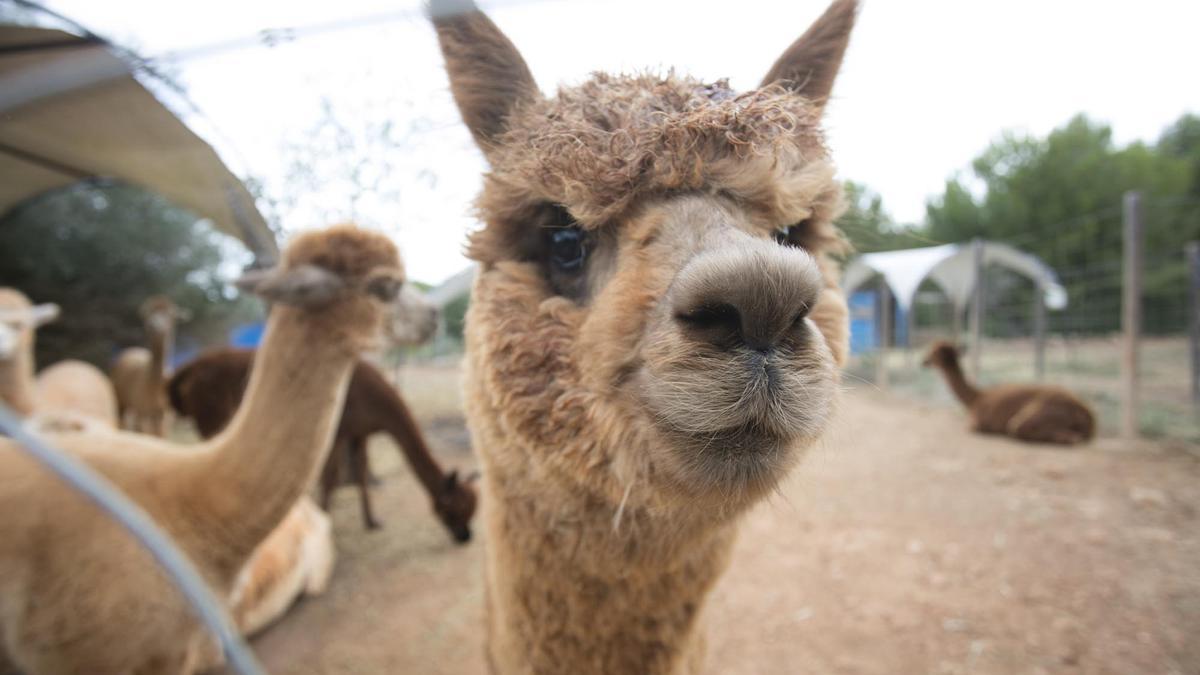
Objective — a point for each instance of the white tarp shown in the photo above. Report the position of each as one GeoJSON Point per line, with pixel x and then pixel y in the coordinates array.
{"type": "Point", "coordinates": [71, 110]}
{"type": "Point", "coordinates": [952, 268]}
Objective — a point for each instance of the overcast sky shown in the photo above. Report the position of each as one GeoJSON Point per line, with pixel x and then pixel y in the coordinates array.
{"type": "Point", "coordinates": [926, 84]}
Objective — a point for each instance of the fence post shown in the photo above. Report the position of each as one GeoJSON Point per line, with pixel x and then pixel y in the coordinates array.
{"type": "Point", "coordinates": [1039, 332]}
{"type": "Point", "coordinates": [1193, 258]}
{"type": "Point", "coordinates": [977, 311]}
{"type": "Point", "coordinates": [1131, 313]}
{"type": "Point", "coordinates": [885, 333]}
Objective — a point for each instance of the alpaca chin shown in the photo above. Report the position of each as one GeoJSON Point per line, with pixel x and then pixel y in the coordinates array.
{"type": "Point", "coordinates": [736, 422]}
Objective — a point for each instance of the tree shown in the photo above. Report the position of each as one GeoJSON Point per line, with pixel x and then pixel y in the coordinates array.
{"type": "Point", "coordinates": [869, 227]}
{"type": "Point", "coordinates": [99, 250]}
{"type": "Point", "coordinates": [1182, 141]}
{"type": "Point", "coordinates": [1060, 198]}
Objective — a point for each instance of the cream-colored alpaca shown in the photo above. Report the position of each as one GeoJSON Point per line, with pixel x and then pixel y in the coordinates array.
{"type": "Point", "coordinates": [77, 595]}
{"type": "Point", "coordinates": [69, 394]}
{"type": "Point", "coordinates": [139, 374]}
{"type": "Point", "coordinates": [653, 337]}
{"type": "Point", "coordinates": [295, 560]}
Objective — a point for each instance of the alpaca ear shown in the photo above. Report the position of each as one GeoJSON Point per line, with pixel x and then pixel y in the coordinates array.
{"type": "Point", "coordinates": [44, 313]}
{"type": "Point", "coordinates": [303, 285]}
{"type": "Point", "coordinates": [471, 477]}
{"type": "Point", "coordinates": [810, 65]}
{"type": "Point", "coordinates": [488, 77]}
{"type": "Point", "coordinates": [452, 479]}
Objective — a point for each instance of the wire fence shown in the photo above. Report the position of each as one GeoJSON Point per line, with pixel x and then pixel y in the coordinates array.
{"type": "Point", "coordinates": [1084, 341]}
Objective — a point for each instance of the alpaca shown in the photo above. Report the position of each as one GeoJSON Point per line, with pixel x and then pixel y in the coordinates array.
{"type": "Point", "coordinates": [653, 340]}
{"type": "Point", "coordinates": [139, 374]}
{"type": "Point", "coordinates": [295, 559]}
{"type": "Point", "coordinates": [77, 594]}
{"type": "Point", "coordinates": [1028, 412]}
{"type": "Point", "coordinates": [208, 390]}
{"type": "Point", "coordinates": [68, 394]}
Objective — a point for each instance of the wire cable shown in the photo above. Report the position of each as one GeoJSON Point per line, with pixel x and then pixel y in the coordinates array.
{"type": "Point", "coordinates": [129, 515]}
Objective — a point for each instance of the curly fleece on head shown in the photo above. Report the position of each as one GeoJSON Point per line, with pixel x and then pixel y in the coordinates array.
{"type": "Point", "coordinates": [603, 144]}
{"type": "Point", "coordinates": [346, 250]}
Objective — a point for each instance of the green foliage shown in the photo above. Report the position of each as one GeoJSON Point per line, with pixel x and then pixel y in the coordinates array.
{"type": "Point", "coordinates": [455, 313]}
{"type": "Point", "coordinates": [869, 227]}
{"type": "Point", "coordinates": [100, 250]}
{"type": "Point", "coordinates": [1060, 199]}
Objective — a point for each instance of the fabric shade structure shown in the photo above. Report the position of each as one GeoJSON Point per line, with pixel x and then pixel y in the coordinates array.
{"type": "Point", "coordinates": [953, 268]}
{"type": "Point", "coordinates": [72, 110]}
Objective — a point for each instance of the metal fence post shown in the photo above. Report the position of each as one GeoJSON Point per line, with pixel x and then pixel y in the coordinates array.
{"type": "Point", "coordinates": [977, 311]}
{"type": "Point", "coordinates": [1039, 332]}
{"type": "Point", "coordinates": [1131, 313]}
{"type": "Point", "coordinates": [885, 333]}
{"type": "Point", "coordinates": [1193, 258]}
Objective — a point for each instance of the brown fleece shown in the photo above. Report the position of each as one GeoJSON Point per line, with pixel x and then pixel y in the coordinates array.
{"type": "Point", "coordinates": [1027, 412]}
{"type": "Point", "coordinates": [613, 484]}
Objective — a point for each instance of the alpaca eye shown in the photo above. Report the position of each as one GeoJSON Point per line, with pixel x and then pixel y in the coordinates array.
{"type": "Point", "coordinates": [567, 249]}
{"type": "Point", "coordinates": [790, 235]}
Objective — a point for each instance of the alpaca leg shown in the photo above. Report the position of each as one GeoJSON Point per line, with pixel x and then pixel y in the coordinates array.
{"type": "Point", "coordinates": [329, 474]}
{"type": "Point", "coordinates": [362, 471]}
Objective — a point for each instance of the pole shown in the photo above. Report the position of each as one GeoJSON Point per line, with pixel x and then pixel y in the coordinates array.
{"type": "Point", "coordinates": [1039, 332]}
{"type": "Point", "coordinates": [910, 320]}
{"type": "Point", "coordinates": [885, 333]}
{"type": "Point", "coordinates": [1193, 258]}
{"type": "Point", "coordinates": [977, 311]}
{"type": "Point", "coordinates": [1131, 313]}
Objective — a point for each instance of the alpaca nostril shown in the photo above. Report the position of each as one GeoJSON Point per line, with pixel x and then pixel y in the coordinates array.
{"type": "Point", "coordinates": [717, 323]}
{"type": "Point", "coordinates": [753, 296]}
{"type": "Point", "coordinates": [712, 316]}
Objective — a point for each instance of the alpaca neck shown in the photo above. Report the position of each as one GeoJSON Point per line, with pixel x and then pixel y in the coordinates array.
{"type": "Point", "coordinates": [403, 428]}
{"type": "Point", "coordinates": [964, 390]}
{"type": "Point", "coordinates": [271, 450]}
{"type": "Point", "coordinates": [650, 573]}
{"type": "Point", "coordinates": [160, 355]}
{"type": "Point", "coordinates": [17, 383]}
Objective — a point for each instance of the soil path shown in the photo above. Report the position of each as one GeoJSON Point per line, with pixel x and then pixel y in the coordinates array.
{"type": "Point", "coordinates": [904, 544]}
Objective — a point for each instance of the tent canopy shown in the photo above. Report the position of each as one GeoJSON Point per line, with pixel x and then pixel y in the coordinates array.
{"type": "Point", "coordinates": [952, 267]}
{"type": "Point", "coordinates": [71, 110]}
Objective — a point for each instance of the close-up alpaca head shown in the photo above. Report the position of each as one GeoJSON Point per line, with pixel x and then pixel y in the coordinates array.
{"type": "Point", "coordinates": [656, 293]}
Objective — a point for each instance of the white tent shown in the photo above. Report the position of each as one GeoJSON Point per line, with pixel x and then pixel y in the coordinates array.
{"type": "Point", "coordinates": [956, 269]}
{"type": "Point", "coordinates": [72, 110]}
{"type": "Point", "coordinates": [953, 268]}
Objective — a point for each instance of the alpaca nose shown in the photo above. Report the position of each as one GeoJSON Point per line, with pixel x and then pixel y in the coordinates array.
{"type": "Point", "coordinates": [751, 293]}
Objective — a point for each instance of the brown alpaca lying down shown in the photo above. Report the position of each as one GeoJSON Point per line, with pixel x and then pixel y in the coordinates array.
{"type": "Point", "coordinates": [1027, 412]}
{"type": "Point", "coordinates": [210, 387]}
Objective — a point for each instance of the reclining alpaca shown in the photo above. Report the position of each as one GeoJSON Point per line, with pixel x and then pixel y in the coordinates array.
{"type": "Point", "coordinates": [1027, 412]}
{"type": "Point", "coordinates": [208, 390]}
{"type": "Point", "coordinates": [139, 374]}
{"type": "Point", "coordinates": [295, 559]}
{"type": "Point", "coordinates": [77, 595]}
{"type": "Point", "coordinates": [68, 395]}
{"type": "Point", "coordinates": [653, 338]}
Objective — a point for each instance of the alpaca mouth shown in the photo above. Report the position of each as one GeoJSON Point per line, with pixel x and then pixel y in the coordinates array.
{"type": "Point", "coordinates": [740, 420]}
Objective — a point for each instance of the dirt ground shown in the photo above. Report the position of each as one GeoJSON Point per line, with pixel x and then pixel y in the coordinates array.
{"type": "Point", "coordinates": [904, 544]}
